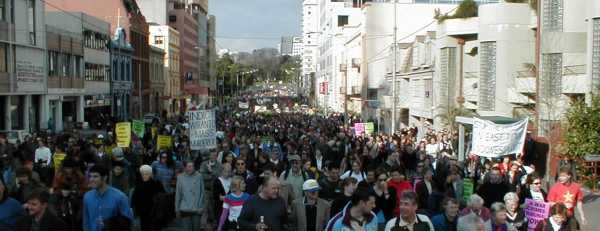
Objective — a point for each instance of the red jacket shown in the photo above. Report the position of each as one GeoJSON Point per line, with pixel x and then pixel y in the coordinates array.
{"type": "Point", "coordinates": [400, 187]}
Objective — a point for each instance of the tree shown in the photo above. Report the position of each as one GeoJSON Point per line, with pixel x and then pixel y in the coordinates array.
{"type": "Point", "coordinates": [466, 9]}
{"type": "Point", "coordinates": [450, 114]}
{"type": "Point", "coordinates": [583, 129]}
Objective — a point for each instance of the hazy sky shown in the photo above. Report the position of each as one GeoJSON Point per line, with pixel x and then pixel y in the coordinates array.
{"type": "Point", "coordinates": [244, 25]}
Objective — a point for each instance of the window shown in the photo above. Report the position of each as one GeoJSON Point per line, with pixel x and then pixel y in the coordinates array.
{"type": "Point", "coordinates": [115, 70]}
{"type": "Point", "coordinates": [595, 55]}
{"type": "Point", "coordinates": [551, 81]}
{"type": "Point", "coordinates": [16, 112]}
{"type": "Point", "coordinates": [2, 10]}
{"type": "Point", "coordinates": [78, 66]}
{"type": "Point", "coordinates": [159, 40]}
{"type": "Point", "coordinates": [31, 20]}
{"type": "Point", "coordinates": [342, 20]}
{"type": "Point", "coordinates": [487, 81]}
{"type": "Point", "coordinates": [3, 56]}
{"type": "Point", "coordinates": [553, 15]}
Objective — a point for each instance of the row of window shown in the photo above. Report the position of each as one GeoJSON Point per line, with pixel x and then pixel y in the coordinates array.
{"type": "Point", "coordinates": [121, 70]}
{"type": "Point", "coordinates": [96, 72]}
{"type": "Point", "coordinates": [95, 40]}
{"type": "Point", "coordinates": [3, 57]}
{"type": "Point", "coordinates": [64, 65]}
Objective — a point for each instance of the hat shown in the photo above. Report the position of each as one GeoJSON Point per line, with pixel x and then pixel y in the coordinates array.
{"type": "Point", "coordinates": [100, 136]}
{"type": "Point", "coordinates": [293, 157]}
{"type": "Point", "coordinates": [310, 186]}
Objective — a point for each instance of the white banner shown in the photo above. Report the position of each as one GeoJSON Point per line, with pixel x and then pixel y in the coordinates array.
{"type": "Point", "coordinates": [496, 140]}
{"type": "Point", "coordinates": [203, 132]}
{"type": "Point", "coordinates": [243, 105]}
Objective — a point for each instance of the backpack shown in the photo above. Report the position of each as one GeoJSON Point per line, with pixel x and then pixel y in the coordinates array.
{"type": "Point", "coordinates": [418, 226]}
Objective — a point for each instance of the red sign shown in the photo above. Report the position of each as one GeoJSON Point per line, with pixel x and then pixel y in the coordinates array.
{"type": "Point", "coordinates": [323, 88]}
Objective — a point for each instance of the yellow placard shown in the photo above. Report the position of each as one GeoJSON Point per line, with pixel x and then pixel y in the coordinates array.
{"type": "Point", "coordinates": [57, 159]}
{"type": "Point", "coordinates": [163, 142]}
{"type": "Point", "coordinates": [123, 131]}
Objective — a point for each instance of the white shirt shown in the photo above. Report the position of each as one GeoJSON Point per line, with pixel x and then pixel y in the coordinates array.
{"type": "Point", "coordinates": [555, 226]}
{"type": "Point", "coordinates": [44, 154]}
{"type": "Point", "coordinates": [538, 196]}
{"type": "Point", "coordinates": [359, 176]}
{"type": "Point", "coordinates": [432, 149]}
{"type": "Point", "coordinates": [422, 218]}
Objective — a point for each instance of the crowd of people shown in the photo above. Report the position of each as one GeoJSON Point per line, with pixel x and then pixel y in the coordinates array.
{"type": "Point", "coordinates": [289, 171]}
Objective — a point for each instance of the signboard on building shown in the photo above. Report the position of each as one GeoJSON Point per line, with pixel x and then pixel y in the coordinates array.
{"type": "Point", "coordinates": [203, 133]}
{"type": "Point", "coordinates": [30, 71]}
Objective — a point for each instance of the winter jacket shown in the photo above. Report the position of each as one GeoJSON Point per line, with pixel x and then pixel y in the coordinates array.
{"type": "Point", "coordinates": [189, 193]}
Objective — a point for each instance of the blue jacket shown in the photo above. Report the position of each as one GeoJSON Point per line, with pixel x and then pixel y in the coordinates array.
{"type": "Point", "coordinates": [439, 222]}
{"type": "Point", "coordinates": [341, 221]}
{"type": "Point", "coordinates": [97, 208]}
{"type": "Point", "coordinates": [10, 210]}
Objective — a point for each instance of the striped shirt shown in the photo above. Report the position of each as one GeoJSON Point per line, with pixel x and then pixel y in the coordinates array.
{"type": "Point", "coordinates": [234, 204]}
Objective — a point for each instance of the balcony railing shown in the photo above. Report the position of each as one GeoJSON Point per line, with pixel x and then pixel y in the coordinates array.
{"type": "Point", "coordinates": [574, 70]}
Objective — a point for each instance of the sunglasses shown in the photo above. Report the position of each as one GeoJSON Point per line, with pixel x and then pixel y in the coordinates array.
{"type": "Point", "coordinates": [537, 183]}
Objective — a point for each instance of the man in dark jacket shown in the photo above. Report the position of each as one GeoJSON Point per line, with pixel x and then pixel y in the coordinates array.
{"type": "Point", "coordinates": [493, 189]}
{"type": "Point", "coordinates": [39, 218]}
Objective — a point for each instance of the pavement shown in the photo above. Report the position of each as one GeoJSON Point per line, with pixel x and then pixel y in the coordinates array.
{"type": "Point", "coordinates": [591, 207]}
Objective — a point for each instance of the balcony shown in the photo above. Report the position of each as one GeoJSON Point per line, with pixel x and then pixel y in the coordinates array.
{"type": "Point", "coordinates": [574, 79]}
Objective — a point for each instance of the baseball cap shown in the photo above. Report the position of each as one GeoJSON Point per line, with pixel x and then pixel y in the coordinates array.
{"type": "Point", "coordinates": [310, 186]}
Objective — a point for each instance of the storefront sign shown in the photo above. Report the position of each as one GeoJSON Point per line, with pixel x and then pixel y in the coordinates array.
{"type": "Point", "coordinates": [29, 68]}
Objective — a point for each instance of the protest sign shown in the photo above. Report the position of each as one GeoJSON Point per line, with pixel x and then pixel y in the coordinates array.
{"type": "Point", "coordinates": [369, 128]}
{"type": "Point", "coordinates": [535, 211]}
{"type": "Point", "coordinates": [163, 142]}
{"type": "Point", "coordinates": [138, 128]}
{"type": "Point", "coordinates": [203, 132]}
{"type": "Point", "coordinates": [467, 188]}
{"type": "Point", "coordinates": [57, 159]}
{"type": "Point", "coordinates": [495, 140]}
{"type": "Point", "coordinates": [123, 131]}
{"type": "Point", "coordinates": [243, 105]}
{"type": "Point", "coordinates": [359, 128]}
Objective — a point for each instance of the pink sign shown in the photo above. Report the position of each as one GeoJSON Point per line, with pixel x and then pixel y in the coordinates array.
{"type": "Point", "coordinates": [359, 128]}
{"type": "Point", "coordinates": [535, 211]}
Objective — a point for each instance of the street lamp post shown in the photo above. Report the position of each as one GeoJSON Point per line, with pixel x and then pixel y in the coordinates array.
{"type": "Point", "coordinates": [394, 71]}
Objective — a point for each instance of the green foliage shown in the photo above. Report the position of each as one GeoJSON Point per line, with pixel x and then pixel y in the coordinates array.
{"type": "Point", "coordinates": [466, 9]}
{"type": "Point", "coordinates": [516, 1]}
{"type": "Point", "coordinates": [450, 114]}
{"type": "Point", "coordinates": [583, 129]}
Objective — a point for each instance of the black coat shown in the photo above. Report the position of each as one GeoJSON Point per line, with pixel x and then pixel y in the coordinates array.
{"type": "Point", "coordinates": [142, 200]}
{"type": "Point", "coordinates": [49, 222]}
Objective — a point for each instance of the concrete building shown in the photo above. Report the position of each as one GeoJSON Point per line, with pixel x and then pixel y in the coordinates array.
{"type": "Point", "coordinates": [127, 15]}
{"type": "Point", "coordinates": [65, 61]}
{"type": "Point", "coordinates": [121, 56]}
{"type": "Point", "coordinates": [297, 46]}
{"type": "Point", "coordinates": [167, 38]}
{"type": "Point", "coordinates": [183, 21]}
{"type": "Point", "coordinates": [212, 59]}
{"type": "Point", "coordinates": [157, 79]}
{"type": "Point", "coordinates": [286, 46]}
{"type": "Point", "coordinates": [334, 16]}
{"type": "Point", "coordinates": [310, 39]}
{"type": "Point", "coordinates": [23, 67]}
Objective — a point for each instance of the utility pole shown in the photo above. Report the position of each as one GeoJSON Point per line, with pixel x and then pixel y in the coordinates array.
{"type": "Point", "coordinates": [394, 71]}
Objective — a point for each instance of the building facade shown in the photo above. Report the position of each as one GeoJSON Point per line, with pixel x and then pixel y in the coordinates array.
{"type": "Point", "coordinates": [64, 38]}
{"type": "Point", "coordinates": [167, 38]}
{"type": "Point", "coordinates": [184, 22]}
{"type": "Point", "coordinates": [157, 79]}
{"type": "Point", "coordinates": [121, 59]}
{"type": "Point", "coordinates": [310, 39]}
{"type": "Point", "coordinates": [23, 67]}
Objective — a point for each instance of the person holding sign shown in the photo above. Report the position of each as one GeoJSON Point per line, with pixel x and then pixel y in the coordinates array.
{"type": "Point", "coordinates": [569, 193]}
{"type": "Point", "coordinates": [557, 220]}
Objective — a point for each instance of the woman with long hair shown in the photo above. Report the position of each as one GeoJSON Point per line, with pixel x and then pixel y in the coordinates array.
{"type": "Point", "coordinates": [232, 205]}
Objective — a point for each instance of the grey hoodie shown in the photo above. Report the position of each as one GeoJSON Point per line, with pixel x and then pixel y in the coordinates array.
{"type": "Point", "coordinates": [189, 194]}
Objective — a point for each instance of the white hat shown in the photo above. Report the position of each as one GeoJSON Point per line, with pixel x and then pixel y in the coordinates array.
{"type": "Point", "coordinates": [100, 136]}
{"type": "Point", "coordinates": [310, 186]}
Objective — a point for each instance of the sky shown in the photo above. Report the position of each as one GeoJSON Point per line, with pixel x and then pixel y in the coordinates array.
{"type": "Point", "coordinates": [245, 25]}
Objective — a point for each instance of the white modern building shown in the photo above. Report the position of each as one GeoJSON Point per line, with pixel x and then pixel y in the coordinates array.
{"type": "Point", "coordinates": [310, 43]}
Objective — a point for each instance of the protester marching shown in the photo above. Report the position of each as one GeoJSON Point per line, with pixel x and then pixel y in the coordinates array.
{"type": "Point", "coordinates": [233, 169]}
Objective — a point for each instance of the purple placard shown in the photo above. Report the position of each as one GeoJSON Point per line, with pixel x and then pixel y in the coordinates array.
{"type": "Point", "coordinates": [535, 211]}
